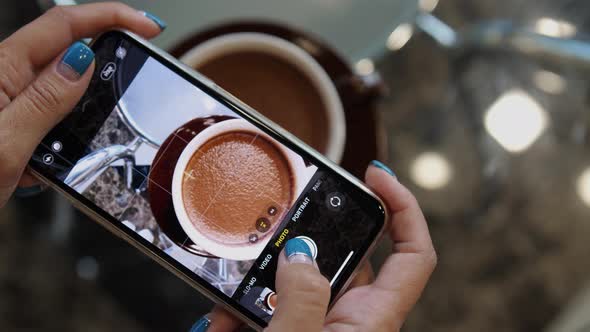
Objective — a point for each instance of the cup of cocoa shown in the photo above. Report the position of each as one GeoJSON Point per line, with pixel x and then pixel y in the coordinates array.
{"type": "Point", "coordinates": [232, 186]}
{"type": "Point", "coordinates": [280, 80]}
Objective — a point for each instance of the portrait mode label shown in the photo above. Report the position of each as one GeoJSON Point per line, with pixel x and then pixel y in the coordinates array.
{"type": "Point", "coordinates": [300, 209]}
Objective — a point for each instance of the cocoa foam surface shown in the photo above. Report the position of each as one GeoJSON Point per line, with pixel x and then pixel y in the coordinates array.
{"type": "Point", "coordinates": [231, 182]}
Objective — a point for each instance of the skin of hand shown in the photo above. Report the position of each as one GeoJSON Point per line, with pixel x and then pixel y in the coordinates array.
{"type": "Point", "coordinates": [41, 79]}
{"type": "Point", "coordinates": [371, 303]}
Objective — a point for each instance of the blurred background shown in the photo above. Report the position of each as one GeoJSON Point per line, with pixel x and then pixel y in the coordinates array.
{"type": "Point", "coordinates": [485, 118]}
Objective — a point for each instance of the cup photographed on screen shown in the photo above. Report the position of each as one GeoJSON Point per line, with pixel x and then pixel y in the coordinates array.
{"type": "Point", "coordinates": [232, 186]}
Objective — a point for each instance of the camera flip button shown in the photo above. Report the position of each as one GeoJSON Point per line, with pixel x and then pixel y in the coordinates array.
{"type": "Point", "coordinates": [335, 201]}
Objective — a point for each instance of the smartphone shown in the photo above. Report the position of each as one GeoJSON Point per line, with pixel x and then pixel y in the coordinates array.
{"type": "Point", "coordinates": [202, 183]}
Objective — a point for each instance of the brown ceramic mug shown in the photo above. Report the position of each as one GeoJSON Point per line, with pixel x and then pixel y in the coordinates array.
{"type": "Point", "coordinates": [358, 95]}
{"type": "Point", "coordinates": [281, 81]}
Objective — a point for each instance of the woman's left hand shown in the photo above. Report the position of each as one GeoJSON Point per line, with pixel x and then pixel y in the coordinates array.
{"type": "Point", "coordinates": [41, 81]}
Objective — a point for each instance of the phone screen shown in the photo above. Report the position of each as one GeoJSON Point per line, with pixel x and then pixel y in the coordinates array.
{"type": "Point", "coordinates": [201, 183]}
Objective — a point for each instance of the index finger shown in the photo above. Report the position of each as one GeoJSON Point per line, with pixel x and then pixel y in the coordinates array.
{"type": "Point", "coordinates": [408, 228]}
{"type": "Point", "coordinates": [405, 273]}
{"type": "Point", "coordinates": [39, 42]}
{"type": "Point", "coordinates": [63, 25]}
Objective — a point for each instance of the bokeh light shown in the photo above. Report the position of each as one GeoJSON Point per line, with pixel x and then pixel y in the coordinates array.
{"type": "Point", "coordinates": [515, 121]}
{"type": "Point", "coordinates": [431, 170]}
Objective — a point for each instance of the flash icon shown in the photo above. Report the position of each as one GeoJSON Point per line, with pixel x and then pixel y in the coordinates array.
{"type": "Point", "coordinates": [48, 159]}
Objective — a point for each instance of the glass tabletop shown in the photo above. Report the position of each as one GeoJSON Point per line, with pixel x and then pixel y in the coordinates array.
{"type": "Point", "coordinates": [494, 142]}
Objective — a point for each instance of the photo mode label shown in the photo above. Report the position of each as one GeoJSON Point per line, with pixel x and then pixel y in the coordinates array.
{"type": "Point", "coordinates": [282, 238]}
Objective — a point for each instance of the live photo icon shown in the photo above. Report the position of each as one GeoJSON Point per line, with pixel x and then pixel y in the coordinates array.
{"type": "Point", "coordinates": [108, 70]}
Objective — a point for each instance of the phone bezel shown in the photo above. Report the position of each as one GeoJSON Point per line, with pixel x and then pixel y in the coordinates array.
{"type": "Point", "coordinates": [249, 114]}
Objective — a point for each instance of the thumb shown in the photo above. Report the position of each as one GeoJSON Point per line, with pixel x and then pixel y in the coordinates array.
{"type": "Point", "coordinates": [303, 294]}
{"type": "Point", "coordinates": [28, 118]}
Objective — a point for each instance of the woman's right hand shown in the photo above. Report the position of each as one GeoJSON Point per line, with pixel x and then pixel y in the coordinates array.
{"type": "Point", "coordinates": [378, 303]}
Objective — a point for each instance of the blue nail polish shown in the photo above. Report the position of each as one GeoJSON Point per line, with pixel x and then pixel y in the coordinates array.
{"type": "Point", "coordinates": [29, 191]}
{"type": "Point", "coordinates": [78, 57]}
{"type": "Point", "coordinates": [297, 246]}
{"type": "Point", "coordinates": [201, 325]}
{"type": "Point", "coordinates": [160, 22]}
{"type": "Point", "coordinates": [382, 166]}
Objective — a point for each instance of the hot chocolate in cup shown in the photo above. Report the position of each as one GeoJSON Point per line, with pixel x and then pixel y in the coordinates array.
{"type": "Point", "coordinates": [280, 80]}
{"type": "Point", "coordinates": [232, 186]}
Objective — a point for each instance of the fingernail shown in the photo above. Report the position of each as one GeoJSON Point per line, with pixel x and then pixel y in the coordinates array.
{"type": "Point", "coordinates": [75, 61]}
{"type": "Point", "coordinates": [201, 325]}
{"type": "Point", "coordinates": [297, 251]}
{"type": "Point", "coordinates": [382, 166]}
{"type": "Point", "coordinates": [160, 22]}
{"type": "Point", "coordinates": [29, 191]}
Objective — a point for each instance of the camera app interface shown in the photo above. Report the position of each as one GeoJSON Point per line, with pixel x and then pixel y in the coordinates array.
{"type": "Point", "coordinates": [199, 182]}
